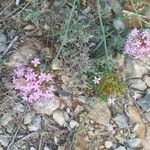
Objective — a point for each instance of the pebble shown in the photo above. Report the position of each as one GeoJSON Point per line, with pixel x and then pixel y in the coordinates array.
{"type": "Point", "coordinates": [46, 148]}
{"type": "Point", "coordinates": [145, 102]}
{"type": "Point", "coordinates": [29, 27]}
{"type": "Point", "coordinates": [147, 116]}
{"type": "Point", "coordinates": [66, 116]}
{"type": "Point", "coordinates": [73, 124]}
{"type": "Point", "coordinates": [121, 121]}
{"type": "Point", "coordinates": [108, 144]}
{"type": "Point", "coordinates": [10, 127]}
{"type": "Point", "coordinates": [138, 84]}
{"type": "Point", "coordinates": [119, 24]}
{"type": "Point", "coordinates": [5, 119]}
{"type": "Point", "coordinates": [3, 41]}
{"type": "Point", "coordinates": [134, 143]}
{"type": "Point", "coordinates": [146, 79]}
{"type": "Point", "coordinates": [58, 116]}
{"type": "Point", "coordinates": [47, 106]}
{"type": "Point", "coordinates": [28, 118]}
{"type": "Point", "coordinates": [35, 124]}
{"type": "Point", "coordinates": [120, 148]}
{"type": "Point", "coordinates": [57, 65]}
{"type": "Point", "coordinates": [4, 140]}
{"type": "Point", "coordinates": [12, 33]}
{"type": "Point", "coordinates": [83, 99]}
{"type": "Point", "coordinates": [32, 148]}
{"type": "Point", "coordinates": [78, 109]}
{"type": "Point", "coordinates": [19, 107]}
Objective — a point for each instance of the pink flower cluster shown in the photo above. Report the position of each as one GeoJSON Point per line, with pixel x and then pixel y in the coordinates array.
{"type": "Point", "coordinates": [138, 43]}
{"type": "Point", "coordinates": [32, 84]}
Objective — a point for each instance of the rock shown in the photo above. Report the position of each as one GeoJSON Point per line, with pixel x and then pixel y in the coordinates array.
{"type": "Point", "coordinates": [121, 121]}
{"type": "Point", "coordinates": [58, 116]}
{"type": "Point", "coordinates": [92, 135]}
{"type": "Point", "coordinates": [3, 43]}
{"type": "Point", "coordinates": [61, 148]}
{"type": "Point", "coordinates": [12, 34]}
{"type": "Point", "coordinates": [47, 106]}
{"type": "Point", "coordinates": [29, 27]}
{"type": "Point", "coordinates": [148, 91]}
{"type": "Point", "coordinates": [134, 143]}
{"type": "Point", "coordinates": [116, 6]}
{"type": "Point", "coordinates": [83, 99]}
{"type": "Point", "coordinates": [137, 84]}
{"type": "Point", "coordinates": [108, 144]}
{"type": "Point", "coordinates": [78, 109]}
{"type": "Point", "coordinates": [4, 140]}
{"type": "Point", "coordinates": [100, 113]}
{"type": "Point", "coordinates": [5, 119]}
{"type": "Point", "coordinates": [73, 124]}
{"type": "Point", "coordinates": [28, 118]}
{"type": "Point", "coordinates": [119, 24]}
{"type": "Point", "coordinates": [57, 65]}
{"type": "Point", "coordinates": [120, 148]}
{"type": "Point", "coordinates": [46, 148]}
{"type": "Point", "coordinates": [145, 102]}
{"type": "Point", "coordinates": [146, 79]}
{"type": "Point", "coordinates": [35, 124]}
{"type": "Point", "coordinates": [134, 69]}
{"type": "Point", "coordinates": [11, 127]}
{"type": "Point", "coordinates": [147, 116]}
{"type": "Point", "coordinates": [66, 116]}
{"type": "Point", "coordinates": [32, 148]}
{"type": "Point", "coordinates": [19, 107]}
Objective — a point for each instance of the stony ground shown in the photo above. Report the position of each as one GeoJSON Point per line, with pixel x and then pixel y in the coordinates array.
{"type": "Point", "coordinates": [74, 119]}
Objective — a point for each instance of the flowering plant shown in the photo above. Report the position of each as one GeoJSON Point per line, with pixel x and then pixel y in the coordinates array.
{"type": "Point", "coordinates": [31, 83]}
{"type": "Point", "coordinates": [138, 43]}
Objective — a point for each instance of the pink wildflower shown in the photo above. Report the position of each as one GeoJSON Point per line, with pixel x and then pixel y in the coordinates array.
{"type": "Point", "coordinates": [35, 62]}
{"type": "Point", "coordinates": [111, 99]}
{"type": "Point", "coordinates": [136, 96]}
{"type": "Point", "coordinates": [96, 80]}
{"type": "Point", "coordinates": [138, 43]}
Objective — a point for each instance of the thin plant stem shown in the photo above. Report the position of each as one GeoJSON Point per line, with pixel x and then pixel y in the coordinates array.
{"type": "Point", "coordinates": [65, 35]}
{"type": "Point", "coordinates": [103, 32]}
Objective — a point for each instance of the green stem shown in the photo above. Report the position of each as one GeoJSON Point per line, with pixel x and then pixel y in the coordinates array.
{"type": "Point", "coordinates": [65, 35]}
{"type": "Point", "coordinates": [103, 32]}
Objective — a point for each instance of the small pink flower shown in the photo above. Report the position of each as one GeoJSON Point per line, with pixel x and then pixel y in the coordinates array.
{"type": "Point", "coordinates": [136, 96]}
{"type": "Point", "coordinates": [96, 80]}
{"type": "Point", "coordinates": [35, 62]}
{"type": "Point", "coordinates": [111, 99]}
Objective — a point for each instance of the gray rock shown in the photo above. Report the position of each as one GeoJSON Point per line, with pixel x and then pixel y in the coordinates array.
{"type": "Point", "coordinates": [28, 118]}
{"type": "Point", "coordinates": [5, 119]}
{"type": "Point", "coordinates": [3, 44]}
{"type": "Point", "coordinates": [58, 116]}
{"type": "Point", "coordinates": [12, 34]}
{"type": "Point", "coordinates": [138, 84]}
{"type": "Point", "coordinates": [11, 127]}
{"type": "Point", "coordinates": [121, 121]}
{"type": "Point", "coordinates": [66, 116]}
{"type": "Point", "coordinates": [47, 106]}
{"type": "Point", "coordinates": [32, 148]}
{"type": "Point", "coordinates": [119, 24]}
{"type": "Point", "coordinates": [147, 116]}
{"type": "Point", "coordinates": [133, 143]}
{"type": "Point", "coordinates": [83, 99]}
{"type": "Point", "coordinates": [108, 144]}
{"type": "Point", "coordinates": [120, 148]}
{"type": "Point", "coordinates": [145, 102]}
{"type": "Point", "coordinates": [148, 91]}
{"type": "Point", "coordinates": [19, 107]}
{"type": "Point", "coordinates": [4, 140]}
{"type": "Point", "coordinates": [35, 124]}
{"type": "Point", "coordinates": [73, 124]}
{"type": "Point", "coordinates": [116, 6]}
{"type": "Point", "coordinates": [146, 79]}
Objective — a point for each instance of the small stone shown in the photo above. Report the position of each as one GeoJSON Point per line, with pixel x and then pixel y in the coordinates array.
{"type": "Point", "coordinates": [83, 99]}
{"type": "Point", "coordinates": [73, 124]}
{"type": "Point", "coordinates": [57, 65]}
{"type": "Point", "coordinates": [91, 135]}
{"type": "Point", "coordinates": [35, 124]}
{"type": "Point", "coordinates": [108, 144]}
{"type": "Point", "coordinates": [121, 121]}
{"type": "Point", "coordinates": [47, 106]}
{"type": "Point", "coordinates": [19, 107]}
{"type": "Point", "coordinates": [29, 27]}
{"type": "Point", "coordinates": [134, 143]}
{"type": "Point", "coordinates": [66, 116]}
{"type": "Point", "coordinates": [11, 127]}
{"type": "Point", "coordinates": [120, 148]}
{"type": "Point", "coordinates": [138, 84]}
{"type": "Point", "coordinates": [116, 6]}
{"type": "Point", "coordinates": [148, 91]}
{"type": "Point", "coordinates": [12, 34]}
{"type": "Point", "coordinates": [3, 42]}
{"type": "Point", "coordinates": [32, 148]}
{"type": "Point", "coordinates": [46, 148]}
{"type": "Point", "coordinates": [58, 116]}
{"type": "Point", "coordinates": [145, 102]}
{"type": "Point", "coordinates": [28, 118]}
{"type": "Point", "coordinates": [78, 109]}
{"type": "Point", "coordinates": [119, 24]}
{"type": "Point", "coordinates": [147, 116]}
{"type": "Point", "coordinates": [5, 119]}
{"type": "Point", "coordinates": [61, 148]}
{"type": "Point", "coordinates": [146, 79]}
{"type": "Point", "coordinates": [4, 140]}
